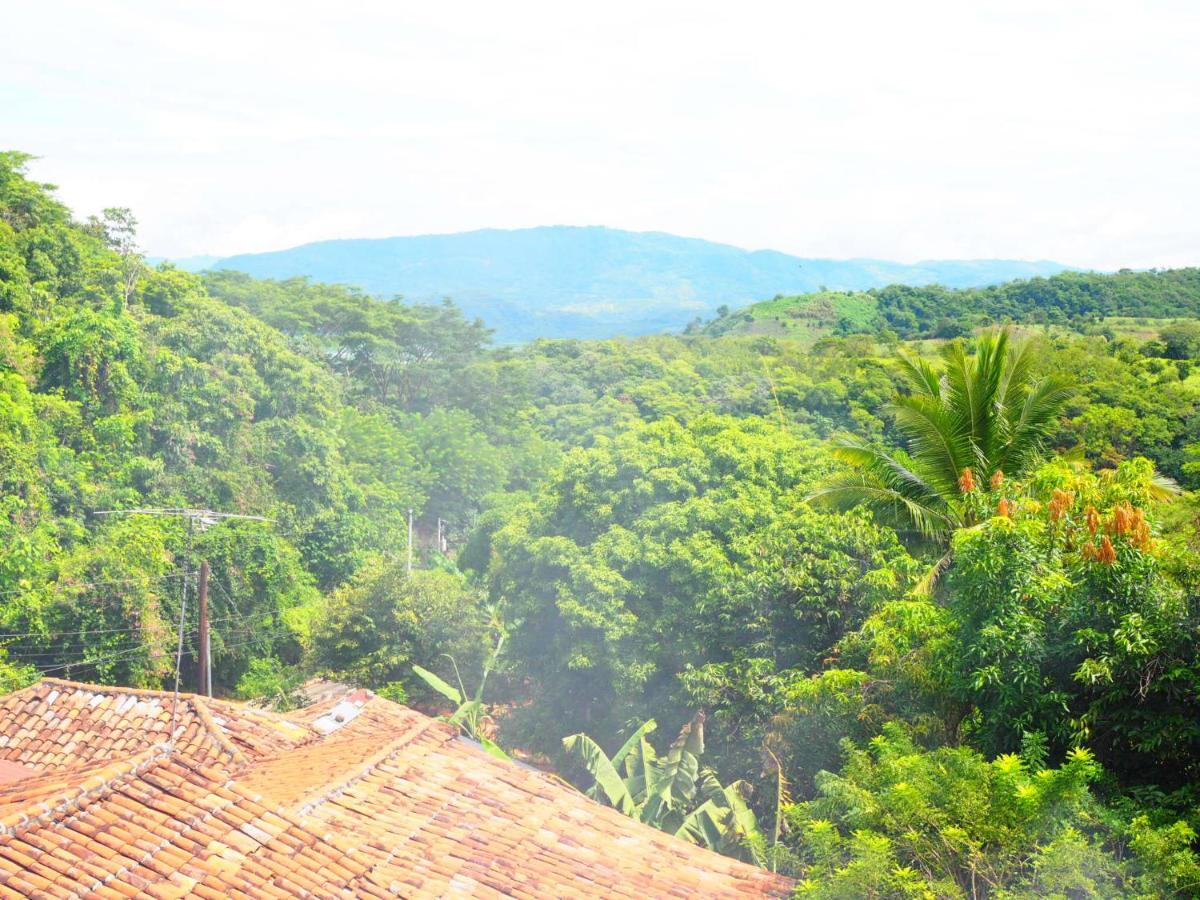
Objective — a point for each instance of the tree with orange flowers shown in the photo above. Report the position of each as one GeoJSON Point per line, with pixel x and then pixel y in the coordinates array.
{"type": "Point", "coordinates": [966, 425]}
{"type": "Point", "coordinates": [1074, 624]}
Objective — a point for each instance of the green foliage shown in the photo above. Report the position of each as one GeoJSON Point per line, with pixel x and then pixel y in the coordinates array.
{"type": "Point", "coordinates": [1181, 340]}
{"type": "Point", "coordinates": [805, 317]}
{"type": "Point", "coordinates": [470, 712]}
{"type": "Point", "coordinates": [394, 691]}
{"type": "Point", "coordinates": [268, 680]}
{"type": "Point", "coordinates": [375, 628]}
{"type": "Point", "coordinates": [676, 549]}
{"type": "Point", "coordinates": [671, 792]}
{"type": "Point", "coordinates": [14, 676]}
{"type": "Point", "coordinates": [902, 822]}
{"type": "Point", "coordinates": [122, 386]}
{"type": "Point", "coordinates": [977, 420]}
{"type": "Point", "coordinates": [1069, 298]}
{"type": "Point", "coordinates": [1071, 623]}
{"type": "Point", "coordinates": [392, 353]}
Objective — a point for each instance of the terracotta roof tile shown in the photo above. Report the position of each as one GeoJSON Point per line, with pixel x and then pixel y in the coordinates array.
{"type": "Point", "coordinates": [356, 796]}
{"type": "Point", "coordinates": [161, 825]}
{"type": "Point", "coordinates": [59, 724]}
{"type": "Point", "coordinates": [441, 815]}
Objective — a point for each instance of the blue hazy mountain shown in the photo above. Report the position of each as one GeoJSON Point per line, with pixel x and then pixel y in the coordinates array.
{"type": "Point", "coordinates": [564, 281]}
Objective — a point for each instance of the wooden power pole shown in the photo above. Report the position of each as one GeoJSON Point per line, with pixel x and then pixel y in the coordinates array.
{"type": "Point", "coordinates": [201, 518]}
{"type": "Point", "coordinates": [204, 653]}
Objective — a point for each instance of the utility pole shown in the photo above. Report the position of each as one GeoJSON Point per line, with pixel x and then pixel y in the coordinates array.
{"type": "Point", "coordinates": [201, 518]}
{"type": "Point", "coordinates": [410, 536]}
{"type": "Point", "coordinates": [204, 652]}
{"type": "Point", "coordinates": [441, 542]}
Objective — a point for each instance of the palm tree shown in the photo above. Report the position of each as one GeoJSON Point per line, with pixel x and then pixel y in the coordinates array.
{"type": "Point", "coordinates": [967, 426]}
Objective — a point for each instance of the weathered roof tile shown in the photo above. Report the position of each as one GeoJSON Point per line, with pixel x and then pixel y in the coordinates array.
{"type": "Point", "coordinates": [372, 800]}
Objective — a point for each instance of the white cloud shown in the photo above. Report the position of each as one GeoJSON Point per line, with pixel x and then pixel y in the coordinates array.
{"type": "Point", "coordinates": [1068, 131]}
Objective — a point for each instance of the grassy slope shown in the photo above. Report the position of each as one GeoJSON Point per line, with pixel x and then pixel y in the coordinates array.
{"type": "Point", "coordinates": [806, 317]}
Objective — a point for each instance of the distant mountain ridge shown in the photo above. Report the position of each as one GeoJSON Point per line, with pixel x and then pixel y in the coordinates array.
{"type": "Point", "coordinates": [591, 281]}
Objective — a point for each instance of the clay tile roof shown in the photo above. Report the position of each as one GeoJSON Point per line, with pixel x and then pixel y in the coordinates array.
{"type": "Point", "coordinates": [440, 816]}
{"type": "Point", "coordinates": [356, 796]}
{"type": "Point", "coordinates": [57, 724]}
{"type": "Point", "coordinates": [160, 825]}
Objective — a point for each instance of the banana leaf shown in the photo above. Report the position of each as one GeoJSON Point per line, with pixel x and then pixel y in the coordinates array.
{"type": "Point", "coordinates": [608, 785]}
{"type": "Point", "coordinates": [450, 693]}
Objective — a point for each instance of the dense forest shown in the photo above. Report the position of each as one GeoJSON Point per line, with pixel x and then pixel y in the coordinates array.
{"type": "Point", "coordinates": [918, 596]}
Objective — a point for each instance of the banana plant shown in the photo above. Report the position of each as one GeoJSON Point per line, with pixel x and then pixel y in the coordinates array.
{"type": "Point", "coordinates": [671, 792]}
{"type": "Point", "coordinates": [470, 712]}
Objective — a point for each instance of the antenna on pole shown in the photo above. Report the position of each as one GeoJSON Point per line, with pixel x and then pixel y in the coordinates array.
{"type": "Point", "coordinates": [202, 518]}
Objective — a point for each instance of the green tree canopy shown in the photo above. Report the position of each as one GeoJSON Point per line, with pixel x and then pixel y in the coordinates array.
{"type": "Point", "coordinates": [979, 419]}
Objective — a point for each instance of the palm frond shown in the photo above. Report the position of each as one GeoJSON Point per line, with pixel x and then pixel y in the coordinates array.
{"type": "Point", "coordinates": [927, 582]}
{"type": "Point", "coordinates": [859, 488]}
{"type": "Point", "coordinates": [923, 377]}
{"type": "Point", "coordinates": [1038, 415]}
{"type": "Point", "coordinates": [973, 386]}
{"type": "Point", "coordinates": [932, 436]}
{"type": "Point", "coordinates": [1018, 375]}
{"type": "Point", "coordinates": [893, 470]}
{"type": "Point", "coordinates": [982, 411]}
{"type": "Point", "coordinates": [1164, 488]}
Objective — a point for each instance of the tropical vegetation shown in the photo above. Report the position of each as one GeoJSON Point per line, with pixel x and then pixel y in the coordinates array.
{"type": "Point", "coordinates": [729, 526]}
{"type": "Point", "coordinates": [672, 791]}
{"type": "Point", "coordinates": [974, 420]}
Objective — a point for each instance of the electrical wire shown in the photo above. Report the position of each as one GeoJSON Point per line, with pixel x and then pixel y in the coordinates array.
{"type": "Point", "coordinates": [110, 631]}
{"type": "Point", "coordinates": [93, 584]}
{"type": "Point", "coordinates": [257, 639]}
{"type": "Point", "coordinates": [128, 653]}
{"type": "Point", "coordinates": [228, 599]}
{"type": "Point", "coordinates": [56, 634]}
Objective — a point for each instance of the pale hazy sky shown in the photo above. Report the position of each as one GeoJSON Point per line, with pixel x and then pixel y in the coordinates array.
{"type": "Point", "coordinates": [1052, 130]}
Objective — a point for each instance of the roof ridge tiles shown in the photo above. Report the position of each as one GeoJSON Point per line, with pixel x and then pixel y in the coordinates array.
{"type": "Point", "coordinates": [364, 770]}
{"type": "Point", "coordinates": [217, 732]}
{"type": "Point", "coordinates": [101, 688]}
{"type": "Point", "coordinates": [73, 795]}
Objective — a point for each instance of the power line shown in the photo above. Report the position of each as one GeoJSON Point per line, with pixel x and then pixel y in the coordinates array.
{"type": "Point", "coordinates": [132, 652]}
{"type": "Point", "coordinates": [128, 653]}
{"type": "Point", "coordinates": [256, 639]}
{"type": "Point", "coordinates": [53, 634]}
{"type": "Point", "coordinates": [204, 517]}
{"type": "Point", "coordinates": [232, 603]}
{"type": "Point", "coordinates": [94, 584]}
{"type": "Point", "coordinates": [129, 631]}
